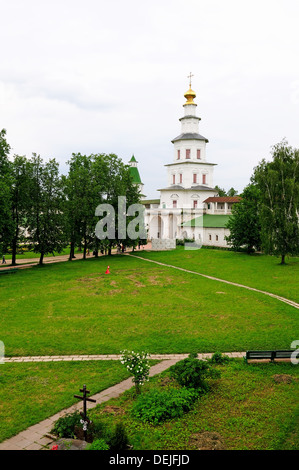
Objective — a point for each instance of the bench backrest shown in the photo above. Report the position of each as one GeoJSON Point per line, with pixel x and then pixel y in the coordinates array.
{"type": "Point", "coordinates": [279, 354]}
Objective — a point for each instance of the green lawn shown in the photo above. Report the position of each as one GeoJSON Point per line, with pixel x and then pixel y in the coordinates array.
{"type": "Point", "coordinates": [259, 271]}
{"type": "Point", "coordinates": [75, 308]}
{"type": "Point", "coordinates": [246, 407]}
{"type": "Point", "coordinates": [32, 392]}
{"type": "Point", "coordinates": [69, 308]}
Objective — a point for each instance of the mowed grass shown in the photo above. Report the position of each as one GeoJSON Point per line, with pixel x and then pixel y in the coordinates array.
{"type": "Point", "coordinates": [75, 308]}
{"type": "Point", "coordinates": [259, 271]}
{"type": "Point", "coordinates": [32, 392]}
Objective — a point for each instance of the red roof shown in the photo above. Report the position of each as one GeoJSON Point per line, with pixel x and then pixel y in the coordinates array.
{"type": "Point", "coordinates": [224, 199]}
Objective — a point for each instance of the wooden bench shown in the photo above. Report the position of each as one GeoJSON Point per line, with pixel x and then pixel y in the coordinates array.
{"type": "Point", "coordinates": [282, 355]}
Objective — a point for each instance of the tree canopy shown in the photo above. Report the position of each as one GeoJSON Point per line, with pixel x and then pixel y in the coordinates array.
{"type": "Point", "coordinates": [245, 226]}
{"type": "Point", "coordinates": [278, 183]}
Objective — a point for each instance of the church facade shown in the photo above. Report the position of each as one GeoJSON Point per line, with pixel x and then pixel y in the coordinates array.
{"type": "Point", "coordinates": [189, 206]}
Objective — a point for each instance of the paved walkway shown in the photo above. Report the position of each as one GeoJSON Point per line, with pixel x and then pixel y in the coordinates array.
{"type": "Point", "coordinates": [278, 297]}
{"type": "Point", "coordinates": [111, 357]}
{"type": "Point", "coordinates": [38, 436]}
{"type": "Point", "coordinates": [29, 262]}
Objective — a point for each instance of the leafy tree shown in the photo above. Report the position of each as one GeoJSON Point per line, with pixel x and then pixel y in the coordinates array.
{"type": "Point", "coordinates": [117, 182]}
{"type": "Point", "coordinates": [6, 224]}
{"type": "Point", "coordinates": [232, 192]}
{"type": "Point", "coordinates": [245, 224]}
{"type": "Point", "coordinates": [83, 188]}
{"type": "Point", "coordinates": [46, 221]}
{"type": "Point", "coordinates": [278, 183]}
{"type": "Point", "coordinates": [20, 200]}
{"type": "Point", "coordinates": [222, 192]}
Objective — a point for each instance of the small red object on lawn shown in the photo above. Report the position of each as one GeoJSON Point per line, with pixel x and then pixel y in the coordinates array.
{"type": "Point", "coordinates": [107, 271]}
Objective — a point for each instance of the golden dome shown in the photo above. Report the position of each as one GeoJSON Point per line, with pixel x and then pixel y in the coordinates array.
{"type": "Point", "coordinates": [190, 95]}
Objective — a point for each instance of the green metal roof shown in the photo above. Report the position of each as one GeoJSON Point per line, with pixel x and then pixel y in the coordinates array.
{"type": "Point", "coordinates": [150, 201]}
{"type": "Point", "coordinates": [133, 159]}
{"type": "Point", "coordinates": [208, 221]}
{"type": "Point", "coordinates": [135, 174]}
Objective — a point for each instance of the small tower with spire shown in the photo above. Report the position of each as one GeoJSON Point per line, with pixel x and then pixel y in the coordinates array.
{"type": "Point", "coordinates": [134, 172]}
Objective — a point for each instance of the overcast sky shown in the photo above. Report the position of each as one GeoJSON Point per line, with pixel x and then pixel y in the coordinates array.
{"type": "Point", "coordinates": [109, 76]}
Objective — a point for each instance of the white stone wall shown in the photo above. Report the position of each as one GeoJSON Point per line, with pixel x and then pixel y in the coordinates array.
{"type": "Point", "coordinates": [203, 234]}
{"type": "Point", "coordinates": [213, 232]}
{"type": "Point", "coordinates": [193, 145]}
{"type": "Point", "coordinates": [187, 171]}
{"type": "Point", "coordinates": [159, 244]}
{"type": "Point", "coordinates": [184, 198]}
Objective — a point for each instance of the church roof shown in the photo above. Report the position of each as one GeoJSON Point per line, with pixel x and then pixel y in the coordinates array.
{"type": "Point", "coordinates": [133, 159]}
{"type": "Point", "coordinates": [208, 221]}
{"type": "Point", "coordinates": [223, 199]}
{"type": "Point", "coordinates": [150, 201]}
{"type": "Point", "coordinates": [190, 136]}
{"type": "Point", "coordinates": [135, 174]}
{"type": "Point", "coordinates": [190, 162]}
{"type": "Point", "coordinates": [195, 187]}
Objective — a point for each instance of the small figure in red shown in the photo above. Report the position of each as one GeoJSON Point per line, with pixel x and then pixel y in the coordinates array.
{"type": "Point", "coordinates": [107, 271]}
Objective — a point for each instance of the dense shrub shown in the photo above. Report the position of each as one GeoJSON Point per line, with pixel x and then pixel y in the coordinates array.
{"type": "Point", "coordinates": [192, 373]}
{"type": "Point", "coordinates": [119, 439]}
{"type": "Point", "coordinates": [65, 426]}
{"type": "Point", "coordinates": [98, 444]}
{"type": "Point", "coordinates": [219, 358]}
{"type": "Point", "coordinates": [157, 406]}
{"type": "Point", "coordinates": [181, 242]}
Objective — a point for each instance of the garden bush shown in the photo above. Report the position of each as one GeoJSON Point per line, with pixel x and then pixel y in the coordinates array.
{"type": "Point", "coordinates": [65, 426]}
{"type": "Point", "coordinates": [157, 406]}
{"type": "Point", "coordinates": [98, 444]}
{"type": "Point", "coordinates": [219, 358]}
{"type": "Point", "coordinates": [192, 373]}
{"type": "Point", "coordinates": [119, 439]}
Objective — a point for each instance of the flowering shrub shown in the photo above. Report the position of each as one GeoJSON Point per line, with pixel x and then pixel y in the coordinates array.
{"type": "Point", "coordinates": [138, 365]}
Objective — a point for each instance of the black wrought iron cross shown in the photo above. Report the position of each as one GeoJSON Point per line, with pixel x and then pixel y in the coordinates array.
{"type": "Point", "coordinates": [84, 414]}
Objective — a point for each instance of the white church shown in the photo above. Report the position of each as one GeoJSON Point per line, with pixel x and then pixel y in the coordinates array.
{"type": "Point", "coordinates": [189, 206]}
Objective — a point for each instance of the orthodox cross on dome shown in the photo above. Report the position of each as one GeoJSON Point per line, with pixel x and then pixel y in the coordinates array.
{"type": "Point", "coordinates": [190, 77]}
{"type": "Point", "coordinates": [190, 94]}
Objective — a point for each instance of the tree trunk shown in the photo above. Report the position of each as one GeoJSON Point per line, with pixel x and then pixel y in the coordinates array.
{"type": "Point", "coordinates": [72, 249]}
{"type": "Point", "coordinates": [41, 258]}
{"type": "Point", "coordinates": [283, 259]}
{"type": "Point", "coordinates": [14, 252]}
{"type": "Point", "coordinates": [110, 250]}
{"type": "Point", "coordinates": [84, 249]}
